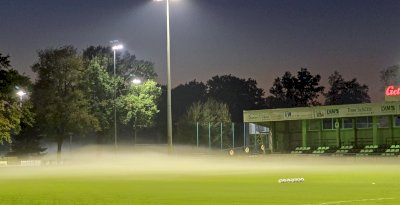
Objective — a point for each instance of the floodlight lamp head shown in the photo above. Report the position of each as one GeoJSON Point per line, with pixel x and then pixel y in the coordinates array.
{"type": "Point", "coordinates": [136, 81]}
{"type": "Point", "coordinates": [118, 47]}
{"type": "Point", "coordinates": [21, 93]}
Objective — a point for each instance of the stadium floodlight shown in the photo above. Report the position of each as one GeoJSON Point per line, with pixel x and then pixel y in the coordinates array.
{"type": "Point", "coordinates": [115, 47]}
{"type": "Point", "coordinates": [169, 112]}
{"type": "Point", "coordinates": [136, 81]}
{"type": "Point", "coordinates": [21, 94]}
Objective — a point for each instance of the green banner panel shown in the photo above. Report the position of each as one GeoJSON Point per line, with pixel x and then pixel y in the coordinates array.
{"type": "Point", "coordinates": [320, 112]}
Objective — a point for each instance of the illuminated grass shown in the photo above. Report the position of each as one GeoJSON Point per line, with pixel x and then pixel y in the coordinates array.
{"type": "Point", "coordinates": [347, 184]}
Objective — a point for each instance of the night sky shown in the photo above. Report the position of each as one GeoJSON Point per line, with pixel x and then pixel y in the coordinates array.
{"type": "Point", "coordinates": [257, 39]}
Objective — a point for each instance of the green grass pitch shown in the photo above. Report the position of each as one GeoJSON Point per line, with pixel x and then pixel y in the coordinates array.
{"type": "Point", "coordinates": [229, 181]}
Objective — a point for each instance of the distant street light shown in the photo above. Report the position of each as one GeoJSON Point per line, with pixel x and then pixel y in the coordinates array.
{"type": "Point", "coordinates": [169, 112]}
{"type": "Point", "coordinates": [114, 48]}
{"type": "Point", "coordinates": [136, 81]}
{"type": "Point", "coordinates": [20, 93]}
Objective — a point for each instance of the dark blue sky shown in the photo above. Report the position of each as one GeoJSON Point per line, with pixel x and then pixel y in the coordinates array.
{"type": "Point", "coordinates": [248, 38]}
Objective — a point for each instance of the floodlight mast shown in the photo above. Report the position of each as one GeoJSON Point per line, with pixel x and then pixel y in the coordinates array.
{"type": "Point", "coordinates": [114, 48]}
{"type": "Point", "coordinates": [169, 112]}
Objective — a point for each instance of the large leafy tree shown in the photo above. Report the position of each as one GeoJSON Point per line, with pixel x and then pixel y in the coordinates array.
{"type": "Point", "coordinates": [59, 101]}
{"type": "Point", "coordinates": [345, 92]}
{"type": "Point", "coordinates": [296, 91]}
{"type": "Point", "coordinates": [13, 113]}
{"type": "Point", "coordinates": [101, 85]}
{"type": "Point", "coordinates": [98, 88]}
{"type": "Point", "coordinates": [209, 113]}
{"type": "Point", "coordinates": [185, 95]}
{"type": "Point", "coordinates": [138, 107]}
{"type": "Point", "coordinates": [390, 75]}
{"type": "Point", "coordinates": [27, 142]}
{"type": "Point", "coordinates": [127, 65]}
{"type": "Point", "coordinates": [239, 94]}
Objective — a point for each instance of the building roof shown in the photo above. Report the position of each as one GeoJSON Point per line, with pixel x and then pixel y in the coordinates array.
{"type": "Point", "coordinates": [321, 112]}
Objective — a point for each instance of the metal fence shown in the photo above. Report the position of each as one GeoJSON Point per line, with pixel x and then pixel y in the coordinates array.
{"type": "Point", "coordinates": [223, 136]}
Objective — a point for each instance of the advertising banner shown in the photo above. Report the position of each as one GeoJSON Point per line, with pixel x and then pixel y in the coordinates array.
{"type": "Point", "coordinates": [321, 112]}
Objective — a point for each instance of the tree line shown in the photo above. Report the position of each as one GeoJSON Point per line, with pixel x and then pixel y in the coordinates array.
{"type": "Point", "coordinates": [75, 93]}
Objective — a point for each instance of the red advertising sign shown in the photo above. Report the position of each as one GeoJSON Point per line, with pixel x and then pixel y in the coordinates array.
{"type": "Point", "coordinates": [392, 93]}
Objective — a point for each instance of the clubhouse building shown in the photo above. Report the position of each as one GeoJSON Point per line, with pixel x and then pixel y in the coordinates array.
{"type": "Point", "coordinates": [351, 125]}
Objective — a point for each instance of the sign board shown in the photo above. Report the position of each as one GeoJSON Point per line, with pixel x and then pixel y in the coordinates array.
{"type": "Point", "coordinates": [322, 112]}
{"type": "Point", "coordinates": [257, 129]}
{"type": "Point", "coordinates": [392, 93]}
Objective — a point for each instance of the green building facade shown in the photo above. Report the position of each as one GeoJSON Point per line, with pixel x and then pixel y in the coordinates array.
{"type": "Point", "coordinates": [334, 126]}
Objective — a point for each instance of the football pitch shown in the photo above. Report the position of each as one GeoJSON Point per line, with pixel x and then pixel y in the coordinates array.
{"type": "Point", "coordinates": [210, 179]}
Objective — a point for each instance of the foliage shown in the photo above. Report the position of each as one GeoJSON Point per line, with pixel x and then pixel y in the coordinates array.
{"type": "Point", "coordinates": [127, 65]}
{"type": "Point", "coordinates": [345, 92]}
{"type": "Point", "coordinates": [59, 102]}
{"type": "Point", "coordinates": [185, 95]}
{"type": "Point", "coordinates": [27, 143]}
{"type": "Point", "coordinates": [102, 86]}
{"type": "Point", "coordinates": [390, 75]}
{"type": "Point", "coordinates": [211, 111]}
{"type": "Point", "coordinates": [4, 61]}
{"type": "Point", "coordinates": [12, 111]}
{"type": "Point", "coordinates": [139, 106]}
{"type": "Point", "coordinates": [9, 120]}
{"type": "Point", "coordinates": [296, 91]}
{"type": "Point", "coordinates": [98, 87]}
{"type": "Point", "coordinates": [239, 94]}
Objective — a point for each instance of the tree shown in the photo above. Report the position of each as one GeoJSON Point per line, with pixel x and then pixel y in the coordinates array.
{"type": "Point", "coordinates": [13, 113]}
{"type": "Point", "coordinates": [4, 61]}
{"type": "Point", "coordinates": [210, 112]}
{"type": "Point", "coordinates": [390, 76]}
{"type": "Point", "coordinates": [345, 92]}
{"type": "Point", "coordinates": [296, 91]}
{"type": "Point", "coordinates": [60, 104]}
{"type": "Point", "coordinates": [127, 65]}
{"type": "Point", "coordinates": [139, 106]}
{"type": "Point", "coordinates": [184, 95]}
{"type": "Point", "coordinates": [27, 142]}
{"type": "Point", "coordinates": [98, 87]}
{"type": "Point", "coordinates": [101, 84]}
{"type": "Point", "coordinates": [239, 94]}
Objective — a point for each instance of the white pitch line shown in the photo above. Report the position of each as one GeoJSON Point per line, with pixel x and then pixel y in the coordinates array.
{"type": "Point", "coordinates": [360, 200]}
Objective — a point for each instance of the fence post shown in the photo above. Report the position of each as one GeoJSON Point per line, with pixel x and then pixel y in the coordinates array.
{"type": "Point", "coordinates": [244, 134]}
{"type": "Point", "coordinates": [209, 135]}
{"type": "Point", "coordinates": [197, 134]}
{"type": "Point", "coordinates": [233, 135]}
{"type": "Point", "coordinates": [221, 136]}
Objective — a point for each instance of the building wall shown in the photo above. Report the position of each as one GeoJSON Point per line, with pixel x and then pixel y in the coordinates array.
{"type": "Point", "coordinates": [288, 134]}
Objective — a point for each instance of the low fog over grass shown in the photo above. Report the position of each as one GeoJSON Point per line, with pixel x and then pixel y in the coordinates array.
{"type": "Point", "coordinates": [97, 160]}
{"type": "Point", "coordinates": [150, 175]}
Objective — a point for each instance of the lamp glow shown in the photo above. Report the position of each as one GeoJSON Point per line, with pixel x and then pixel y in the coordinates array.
{"type": "Point", "coordinates": [21, 93]}
{"type": "Point", "coordinates": [118, 47]}
{"type": "Point", "coordinates": [136, 81]}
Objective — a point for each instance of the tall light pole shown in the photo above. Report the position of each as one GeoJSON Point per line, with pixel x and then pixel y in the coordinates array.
{"type": "Point", "coordinates": [114, 48]}
{"type": "Point", "coordinates": [169, 112]}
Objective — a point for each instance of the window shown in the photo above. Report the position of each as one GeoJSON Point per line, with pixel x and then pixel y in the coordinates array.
{"type": "Point", "coordinates": [328, 124]}
{"type": "Point", "coordinates": [396, 121]}
{"type": "Point", "coordinates": [347, 123]}
{"type": "Point", "coordinates": [314, 125]}
{"type": "Point", "coordinates": [364, 122]}
{"type": "Point", "coordinates": [383, 121]}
